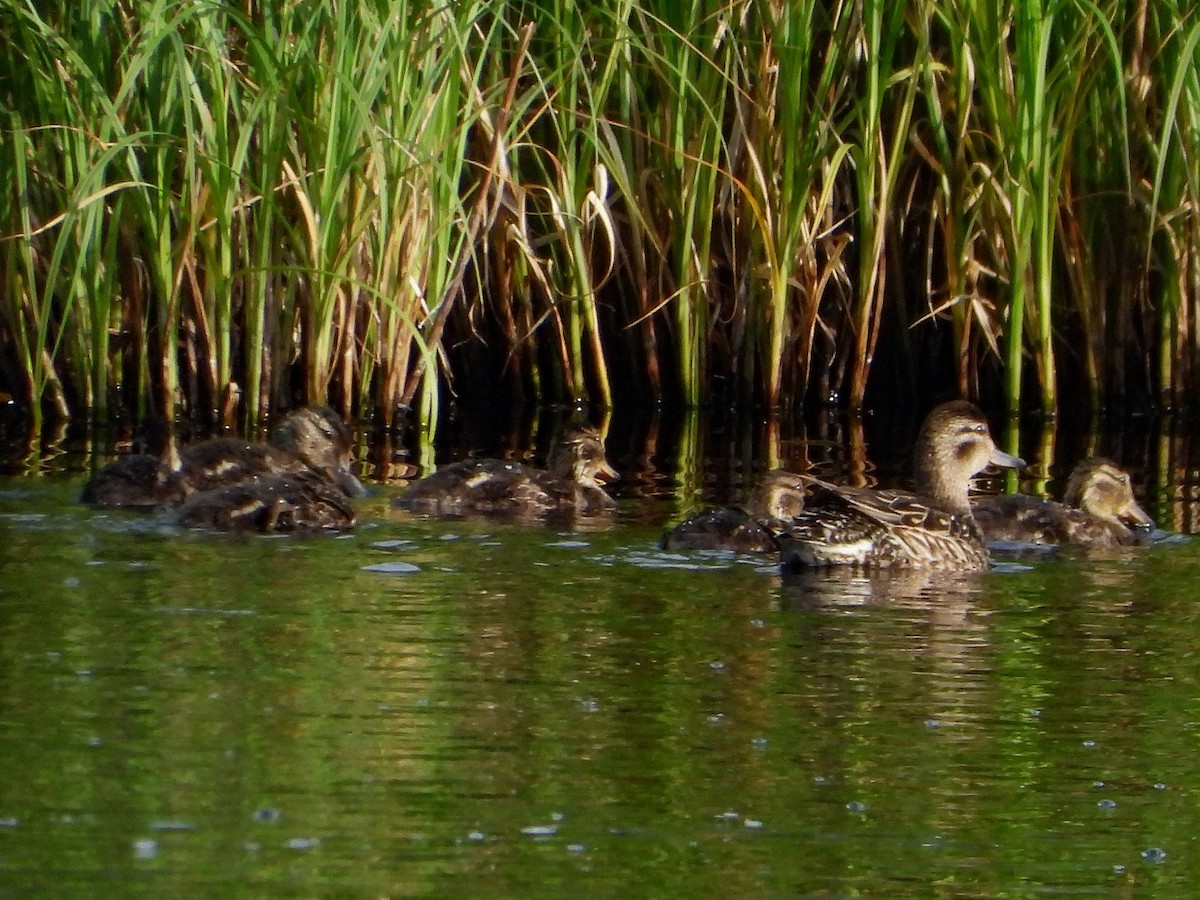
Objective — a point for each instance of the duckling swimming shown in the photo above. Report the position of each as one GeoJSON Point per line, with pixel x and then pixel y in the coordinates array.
{"type": "Point", "coordinates": [932, 528]}
{"type": "Point", "coordinates": [300, 501]}
{"type": "Point", "coordinates": [310, 439]}
{"type": "Point", "coordinates": [753, 529]}
{"type": "Point", "coordinates": [504, 489]}
{"type": "Point", "coordinates": [1098, 510]}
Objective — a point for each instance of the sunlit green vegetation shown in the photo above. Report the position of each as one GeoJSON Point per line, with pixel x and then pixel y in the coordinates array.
{"type": "Point", "coordinates": [212, 208]}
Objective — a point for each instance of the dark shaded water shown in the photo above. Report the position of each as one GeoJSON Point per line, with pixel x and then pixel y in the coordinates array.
{"type": "Point", "coordinates": [448, 709]}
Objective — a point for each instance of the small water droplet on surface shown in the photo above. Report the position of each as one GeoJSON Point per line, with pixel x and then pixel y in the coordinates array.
{"type": "Point", "coordinates": [1089, 744]}
{"type": "Point", "coordinates": [540, 830]}
{"type": "Point", "coordinates": [477, 836]}
{"type": "Point", "coordinates": [1107, 804]}
{"type": "Point", "coordinates": [302, 843]}
{"type": "Point", "coordinates": [145, 848]}
{"type": "Point", "coordinates": [856, 806]}
{"type": "Point", "coordinates": [392, 568]}
{"type": "Point", "coordinates": [267, 814]}
{"type": "Point", "coordinates": [1154, 855]}
{"type": "Point", "coordinates": [752, 823]}
{"type": "Point", "coordinates": [1159, 786]}
{"type": "Point", "coordinates": [1118, 870]}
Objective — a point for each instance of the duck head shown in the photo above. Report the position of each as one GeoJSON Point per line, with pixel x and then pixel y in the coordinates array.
{"type": "Point", "coordinates": [953, 446]}
{"type": "Point", "coordinates": [780, 495]}
{"type": "Point", "coordinates": [579, 456]}
{"type": "Point", "coordinates": [1102, 489]}
{"type": "Point", "coordinates": [318, 437]}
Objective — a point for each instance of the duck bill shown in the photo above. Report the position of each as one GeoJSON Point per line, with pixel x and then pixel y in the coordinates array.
{"type": "Point", "coordinates": [1005, 460]}
{"type": "Point", "coordinates": [1135, 517]}
{"type": "Point", "coordinates": [348, 483]}
{"type": "Point", "coordinates": [607, 473]}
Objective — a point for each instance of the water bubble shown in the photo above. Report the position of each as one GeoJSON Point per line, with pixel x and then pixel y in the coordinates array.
{"type": "Point", "coordinates": [752, 823]}
{"type": "Point", "coordinates": [392, 568]}
{"type": "Point", "coordinates": [856, 806]}
{"type": "Point", "coordinates": [759, 741]}
{"type": "Point", "coordinates": [450, 537]}
{"type": "Point", "coordinates": [1107, 804]}
{"type": "Point", "coordinates": [556, 817]}
{"type": "Point", "coordinates": [1089, 743]}
{"type": "Point", "coordinates": [145, 848]}
{"type": "Point", "coordinates": [1154, 855]}
{"type": "Point", "coordinates": [757, 623]}
{"type": "Point", "coordinates": [716, 665]}
{"type": "Point", "coordinates": [476, 836]}
{"type": "Point", "coordinates": [540, 830]}
{"type": "Point", "coordinates": [171, 825]}
{"type": "Point", "coordinates": [1159, 786]}
{"type": "Point", "coordinates": [1118, 870]}
{"type": "Point", "coordinates": [302, 843]}
{"type": "Point", "coordinates": [728, 814]}
{"type": "Point", "coordinates": [933, 723]}
{"type": "Point", "coordinates": [267, 814]}
{"type": "Point", "coordinates": [820, 779]}
{"type": "Point", "coordinates": [1097, 784]}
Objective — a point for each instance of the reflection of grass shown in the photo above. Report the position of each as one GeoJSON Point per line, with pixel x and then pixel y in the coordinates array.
{"type": "Point", "coordinates": [203, 207]}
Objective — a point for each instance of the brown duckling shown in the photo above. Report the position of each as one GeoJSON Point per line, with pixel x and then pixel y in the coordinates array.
{"type": "Point", "coordinates": [146, 479]}
{"type": "Point", "coordinates": [136, 481]}
{"type": "Point", "coordinates": [511, 490]}
{"type": "Point", "coordinates": [751, 529]}
{"type": "Point", "coordinates": [930, 529]}
{"type": "Point", "coordinates": [299, 501]}
{"type": "Point", "coordinates": [1098, 510]}
{"type": "Point", "coordinates": [310, 439]}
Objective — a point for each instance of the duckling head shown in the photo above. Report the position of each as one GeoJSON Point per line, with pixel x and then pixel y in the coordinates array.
{"type": "Point", "coordinates": [780, 495]}
{"type": "Point", "coordinates": [579, 456]}
{"type": "Point", "coordinates": [1103, 490]}
{"type": "Point", "coordinates": [318, 437]}
{"type": "Point", "coordinates": [953, 446]}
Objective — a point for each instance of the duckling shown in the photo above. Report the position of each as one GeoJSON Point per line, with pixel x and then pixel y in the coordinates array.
{"type": "Point", "coordinates": [299, 501]}
{"type": "Point", "coordinates": [310, 439]}
{"type": "Point", "coordinates": [144, 480]}
{"type": "Point", "coordinates": [1098, 510]}
{"type": "Point", "coordinates": [136, 481]}
{"type": "Point", "coordinates": [753, 529]}
{"type": "Point", "coordinates": [504, 489]}
{"type": "Point", "coordinates": [930, 529]}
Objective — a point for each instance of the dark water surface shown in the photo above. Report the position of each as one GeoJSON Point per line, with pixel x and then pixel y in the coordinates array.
{"type": "Point", "coordinates": [450, 709]}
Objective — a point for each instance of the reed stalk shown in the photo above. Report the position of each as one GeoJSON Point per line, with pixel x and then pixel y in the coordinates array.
{"type": "Point", "coordinates": [219, 209]}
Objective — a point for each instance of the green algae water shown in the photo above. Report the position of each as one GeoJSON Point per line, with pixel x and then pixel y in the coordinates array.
{"type": "Point", "coordinates": [453, 709]}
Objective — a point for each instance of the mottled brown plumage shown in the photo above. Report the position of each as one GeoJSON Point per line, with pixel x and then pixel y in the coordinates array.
{"type": "Point", "coordinates": [932, 528]}
{"type": "Point", "coordinates": [753, 528]}
{"type": "Point", "coordinates": [1098, 510]}
{"type": "Point", "coordinates": [302, 501]}
{"type": "Point", "coordinates": [311, 439]}
{"type": "Point", "coordinates": [510, 490]}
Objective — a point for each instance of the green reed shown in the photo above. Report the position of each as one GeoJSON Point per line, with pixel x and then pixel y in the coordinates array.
{"type": "Point", "coordinates": [218, 209]}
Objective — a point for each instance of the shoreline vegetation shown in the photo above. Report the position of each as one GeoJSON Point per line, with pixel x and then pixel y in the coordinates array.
{"type": "Point", "coordinates": [212, 210]}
